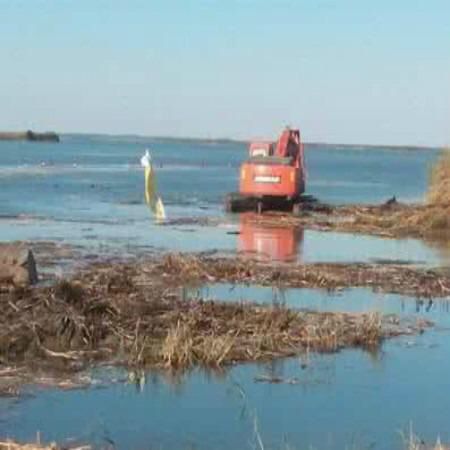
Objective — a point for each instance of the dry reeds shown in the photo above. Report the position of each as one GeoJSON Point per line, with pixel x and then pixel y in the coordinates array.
{"type": "Point", "coordinates": [391, 219]}
{"type": "Point", "coordinates": [144, 321]}
{"type": "Point", "coordinates": [439, 187]}
{"type": "Point", "coordinates": [413, 442]}
{"type": "Point", "coordinates": [399, 279]}
{"type": "Point", "coordinates": [12, 445]}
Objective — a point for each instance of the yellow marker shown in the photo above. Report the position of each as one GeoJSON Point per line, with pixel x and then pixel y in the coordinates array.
{"type": "Point", "coordinates": [153, 201]}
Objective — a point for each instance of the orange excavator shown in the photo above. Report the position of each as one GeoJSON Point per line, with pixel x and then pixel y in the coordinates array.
{"type": "Point", "coordinates": [273, 177]}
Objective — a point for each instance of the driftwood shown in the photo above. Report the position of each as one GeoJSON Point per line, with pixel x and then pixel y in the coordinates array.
{"type": "Point", "coordinates": [17, 265]}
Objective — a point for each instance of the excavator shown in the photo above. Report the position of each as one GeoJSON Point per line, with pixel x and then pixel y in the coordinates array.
{"type": "Point", "coordinates": [273, 177]}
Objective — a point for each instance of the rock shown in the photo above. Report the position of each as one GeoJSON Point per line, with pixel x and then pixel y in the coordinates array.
{"type": "Point", "coordinates": [17, 265]}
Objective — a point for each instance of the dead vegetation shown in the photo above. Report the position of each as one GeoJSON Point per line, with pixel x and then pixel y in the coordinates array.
{"type": "Point", "coordinates": [388, 278]}
{"type": "Point", "coordinates": [430, 220]}
{"type": "Point", "coordinates": [439, 190]}
{"type": "Point", "coordinates": [135, 315]}
{"type": "Point", "coordinates": [13, 445]}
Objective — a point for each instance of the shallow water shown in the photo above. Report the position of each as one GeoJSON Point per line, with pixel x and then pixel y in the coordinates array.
{"type": "Point", "coordinates": [141, 237]}
{"type": "Point", "coordinates": [88, 192]}
{"type": "Point", "coordinates": [350, 398]}
{"type": "Point", "coordinates": [346, 300]}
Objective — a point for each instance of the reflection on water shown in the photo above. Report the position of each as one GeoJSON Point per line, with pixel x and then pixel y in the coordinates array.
{"type": "Point", "coordinates": [320, 401]}
{"type": "Point", "coordinates": [276, 243]}
{"type": "Point", "coordinates": [335, 399]}
{"type": "Point", "coordinates": [352, 300]}
{"type": "Point", "coordinates": [442, 247]}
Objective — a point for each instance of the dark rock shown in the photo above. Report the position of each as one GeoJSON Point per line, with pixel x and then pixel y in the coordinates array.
{"type": "Point", "coordinates": [17, 265]}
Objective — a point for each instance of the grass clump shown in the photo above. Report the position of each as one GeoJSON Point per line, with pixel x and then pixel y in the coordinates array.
{"type": "Point", "coordinates": [146, 322]}
{"type": "Point", "coordinates": [12, 445]}
{"type": "Point", "coordinates": [439, 187]}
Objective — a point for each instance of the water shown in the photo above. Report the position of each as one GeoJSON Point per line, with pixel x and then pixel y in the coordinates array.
{"type": "Point", "coordinates": [336, 404]}
{"type": "Point", "coordinates": [348, 300]}
{"type": "Point", "coordinates": [88, 192]}
{"type": "Point", "coordinates": [87, 177]}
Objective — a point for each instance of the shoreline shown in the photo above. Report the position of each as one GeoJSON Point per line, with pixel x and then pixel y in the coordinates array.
{"type": "Point", "coordinates": [140, 138]}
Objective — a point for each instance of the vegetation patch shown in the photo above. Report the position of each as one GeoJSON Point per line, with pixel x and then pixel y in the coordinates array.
{"type": "Point", "coordinates": [389, 278]}
{"type": "Point", "coordinates": [135, 315]}
{"type": "Point", "coordinates": [430, 220]}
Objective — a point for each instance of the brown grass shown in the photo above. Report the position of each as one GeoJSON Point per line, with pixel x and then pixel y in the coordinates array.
{"type": "Point", "coordinates": [135, 315]}
{"type": "Point", "coordinates": [390, 278]}
{"type": "Point", "coordinates": [12, 445]}
{"type": "Point", "coordinates": [413, 442]}
{"type": "Point", "coordinates": [430, 220]}
{"type": "Point", "coordinates": [392, 219]}
{"type": "Point", "coordinates": [439, 187]}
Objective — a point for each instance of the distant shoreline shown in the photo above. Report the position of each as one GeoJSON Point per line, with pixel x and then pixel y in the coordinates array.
{"type": "Point", "coordinates": [141, 139]}
{"type": "Point", "coordinates": [29, 136]}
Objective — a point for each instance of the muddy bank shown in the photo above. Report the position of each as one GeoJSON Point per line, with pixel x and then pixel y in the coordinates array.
{"type": "Point", "coordinates": [134, 315]}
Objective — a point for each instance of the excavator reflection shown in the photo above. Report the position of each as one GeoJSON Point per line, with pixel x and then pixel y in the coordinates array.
{"type": "Point", "coordinates": [269, 242]}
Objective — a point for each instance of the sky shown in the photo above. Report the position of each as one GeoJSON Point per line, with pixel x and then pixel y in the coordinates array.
{"type": "Point", "coordinates": [343, 71]}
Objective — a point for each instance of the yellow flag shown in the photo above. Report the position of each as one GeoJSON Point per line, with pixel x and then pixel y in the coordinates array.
{"type": "Point", "coordinates": [153, 201]}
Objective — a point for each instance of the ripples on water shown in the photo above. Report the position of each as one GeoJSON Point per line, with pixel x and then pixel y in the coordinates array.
{"type": "Point", "coordinates": [87, 191]}
{"type": "Point", "coordinates": [336, 400]}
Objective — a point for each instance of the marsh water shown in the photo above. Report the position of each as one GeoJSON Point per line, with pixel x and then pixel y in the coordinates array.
{"type": "Point", "coordinates": [87, 192]}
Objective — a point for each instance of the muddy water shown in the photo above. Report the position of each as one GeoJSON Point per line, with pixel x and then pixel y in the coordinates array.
{"type": "Point", "coordinates": [87, 192]}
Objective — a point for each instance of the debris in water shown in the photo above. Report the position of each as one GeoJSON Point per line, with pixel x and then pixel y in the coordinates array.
{"type": "Point", "coordinates": [133, 315]}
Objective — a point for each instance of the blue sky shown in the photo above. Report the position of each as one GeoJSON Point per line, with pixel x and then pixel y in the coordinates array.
{"type": "Point", "coordinates": [347, 71]}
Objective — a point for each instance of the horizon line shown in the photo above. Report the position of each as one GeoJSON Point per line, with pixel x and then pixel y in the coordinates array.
{"type": "Point", "coordinates": [245, 141]}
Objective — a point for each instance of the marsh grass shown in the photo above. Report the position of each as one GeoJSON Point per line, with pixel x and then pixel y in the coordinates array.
{"type": "Point", "coordinates": [439, 186]}
{"type": "Point", "coordinates": [83, 321]}
{"type": "Point", "coordinates": [12, 445]}
{"type": "Point", "coordinates": [430, 220]}
{"type": "Point", "coordinates": [411, 441]}
{"type": "Point", "coordinates": [331, 276]}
